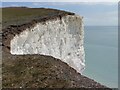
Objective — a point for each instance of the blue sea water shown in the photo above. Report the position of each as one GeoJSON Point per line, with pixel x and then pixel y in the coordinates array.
{"type": "Point", "coordinates": [101, 50]}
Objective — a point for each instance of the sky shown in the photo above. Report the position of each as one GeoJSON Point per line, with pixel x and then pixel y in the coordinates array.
{"type": "Point", "coordinates": [60, 0]}
{"type": "Point", "coordinates": [94, 13]}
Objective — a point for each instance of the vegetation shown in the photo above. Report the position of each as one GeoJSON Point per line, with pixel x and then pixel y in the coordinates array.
{"type": "Point", "coordinates": [31, 71]}
{"type": "Point", "coordinates": [39, 71]}
{"type": "Point", "coordinates": [21, 15]}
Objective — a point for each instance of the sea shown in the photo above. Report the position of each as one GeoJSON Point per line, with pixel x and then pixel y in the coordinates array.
{"type": "Point", "coordinates": [101, 54]}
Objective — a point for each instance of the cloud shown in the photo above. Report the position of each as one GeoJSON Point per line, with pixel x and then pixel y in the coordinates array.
{"type": "Point", "coordinates": [73, 3]}
{"type": "Point", "coordinates": [35, 4]}
{"type": "Point", "coordinates": [98, 3]}
{"type": "Point", "coordinates": [14, 5]}
{"type": "Point", "coordinates": [60, 0]}
{"type": "Point", "coordinates": [53, 3]}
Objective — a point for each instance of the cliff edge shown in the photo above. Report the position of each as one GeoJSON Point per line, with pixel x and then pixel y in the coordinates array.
{"type": "Point", "coordinates": [43, 48]}
{"type": "Point", "coordinates": [59, 34]}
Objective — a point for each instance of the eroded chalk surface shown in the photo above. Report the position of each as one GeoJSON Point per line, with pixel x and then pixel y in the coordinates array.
{"type": "Point", "coordinates": [61, 38]}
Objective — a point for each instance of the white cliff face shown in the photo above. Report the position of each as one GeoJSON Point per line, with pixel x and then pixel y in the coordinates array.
{"type": "Point", "coordinates": [60, 38]}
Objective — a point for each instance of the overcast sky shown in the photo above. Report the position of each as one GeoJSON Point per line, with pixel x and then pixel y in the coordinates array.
{"type": "Point", "coordinates": [94, 13]}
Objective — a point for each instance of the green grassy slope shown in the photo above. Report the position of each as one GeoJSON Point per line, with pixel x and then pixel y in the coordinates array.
{"type": "Point", "coordinates": [20, 15]}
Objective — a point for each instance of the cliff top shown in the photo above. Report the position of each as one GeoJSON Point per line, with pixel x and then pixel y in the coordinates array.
{"type": "Point", "coordinates": [22, 15]}
{"type": "Point", "coordinates": [16, 19]}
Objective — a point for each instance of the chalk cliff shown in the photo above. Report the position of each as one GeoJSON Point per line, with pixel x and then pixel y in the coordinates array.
{"type": "Point", "coordinates": [43, 48]}
{"type": "Point", "coordinates": [61, 38]}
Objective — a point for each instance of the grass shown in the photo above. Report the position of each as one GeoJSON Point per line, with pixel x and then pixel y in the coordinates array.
{"type": "Point", "coordinates": [31, 71]}
{"type": "Point", "coordinates": [20, 15]}
{"type": "Point", "coordinates": [39, 71]}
